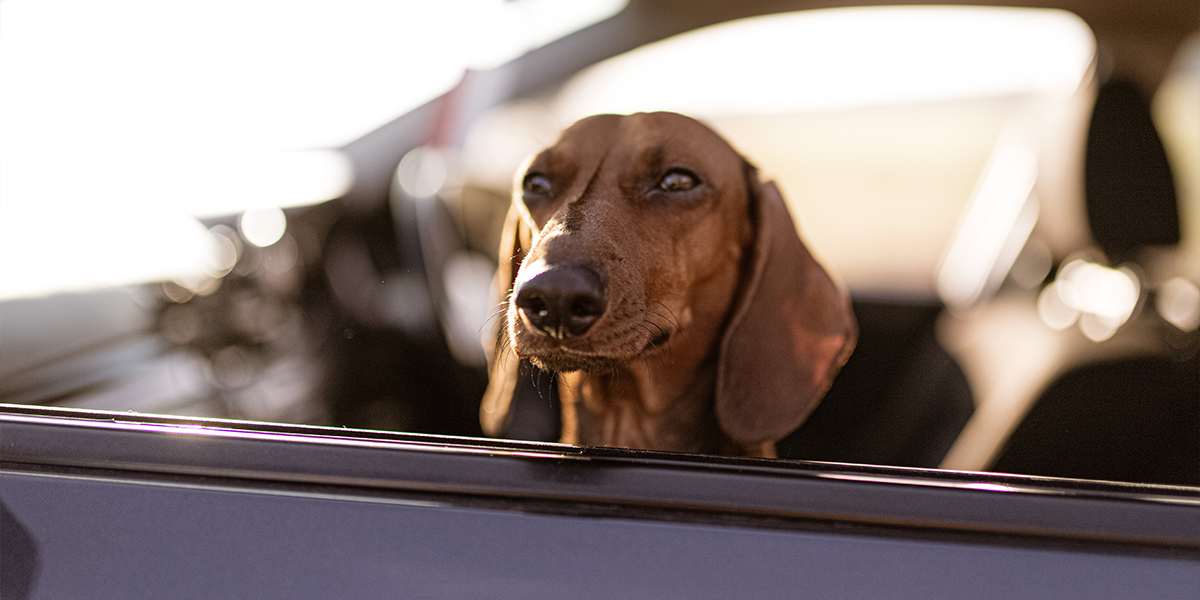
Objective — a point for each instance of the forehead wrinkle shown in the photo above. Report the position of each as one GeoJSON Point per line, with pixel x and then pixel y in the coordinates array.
{"type": "Point", "coordinates": [575, 205]}
{"type": "Point", "coordinates": [670, 146]}
{"type": "Point", "coordinates": [654, 156]}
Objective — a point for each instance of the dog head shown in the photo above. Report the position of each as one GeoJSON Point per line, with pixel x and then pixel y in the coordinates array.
{"type": "Point", "coordinates": [646, 235]}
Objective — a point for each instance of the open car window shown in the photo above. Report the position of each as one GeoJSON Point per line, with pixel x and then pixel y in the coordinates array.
{"type": "Point", "coordinates": [305, 232]}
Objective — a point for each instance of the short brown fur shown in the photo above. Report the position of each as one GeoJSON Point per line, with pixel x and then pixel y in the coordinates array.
{"type": "Point", "coordinates": [721, 332]}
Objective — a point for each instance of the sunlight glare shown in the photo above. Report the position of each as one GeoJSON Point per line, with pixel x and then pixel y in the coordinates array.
{"type": "Point", "coordinates": [263, 226]}
{"type": "Point", "coordinates": [994, 226]}
{"type": "Point", "coordinates": [145, 114]}
{"type": "Point", "coordinates": [1101, 298]}
{"type": "Point", "coordinates": [844, 58]}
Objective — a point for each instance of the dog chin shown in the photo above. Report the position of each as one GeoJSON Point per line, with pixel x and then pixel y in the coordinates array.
{"type": "Point", "coordinates": [566, 362]}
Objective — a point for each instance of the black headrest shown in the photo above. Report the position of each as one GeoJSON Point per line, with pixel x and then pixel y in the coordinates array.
{"type": "Point", "coordinates": [1130, 193]}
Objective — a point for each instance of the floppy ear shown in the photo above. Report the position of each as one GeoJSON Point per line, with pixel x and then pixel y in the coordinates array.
{"type": "Point", "coordinates": [789, 334]}
{"type": "Point", "coordinates": [503, 364]}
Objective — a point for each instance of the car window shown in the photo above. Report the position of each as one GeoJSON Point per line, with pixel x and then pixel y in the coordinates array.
{"type": "Point", "coordinates": [289, 212]}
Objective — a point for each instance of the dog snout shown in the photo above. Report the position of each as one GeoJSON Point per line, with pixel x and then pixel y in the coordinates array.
{"type": "Point", "coordinates": [562, 301]}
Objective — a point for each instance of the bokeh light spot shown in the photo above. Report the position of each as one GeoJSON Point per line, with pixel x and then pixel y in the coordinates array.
{"type": "Point", "coordinates": [422, 172]}
{"type": "Point", "coordinates": [1179, 303]}
{"type": "Point", "coordinates": [1054, 310]}
{"type": "Point", "coordinates": [263, 226]}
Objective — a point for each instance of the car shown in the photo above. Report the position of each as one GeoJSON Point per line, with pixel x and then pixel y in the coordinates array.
{"type": "Point", "coordinates": [119, 505]}
{"type": "Point", "coordinates": [250, 304]}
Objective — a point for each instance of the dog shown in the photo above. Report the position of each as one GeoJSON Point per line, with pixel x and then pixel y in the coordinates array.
{"type": "Point", "coordinates": [645, 263]}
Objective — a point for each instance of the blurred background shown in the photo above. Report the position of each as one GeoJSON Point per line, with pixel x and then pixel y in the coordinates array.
{"type": "Point", "coordinates": [289, 211]}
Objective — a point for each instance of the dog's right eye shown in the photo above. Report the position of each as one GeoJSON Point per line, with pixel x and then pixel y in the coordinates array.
{"type": "Point", "coordinates": [536, 184]}
{"type": "Point", "coordinates": [678, 180]}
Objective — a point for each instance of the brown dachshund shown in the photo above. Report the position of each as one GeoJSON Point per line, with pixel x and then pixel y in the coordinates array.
{"type": "Point", "coordinates": [667, 287]}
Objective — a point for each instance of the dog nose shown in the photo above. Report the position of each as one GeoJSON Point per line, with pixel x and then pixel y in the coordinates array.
{"type": "Point", "coordinates": [562, 301]}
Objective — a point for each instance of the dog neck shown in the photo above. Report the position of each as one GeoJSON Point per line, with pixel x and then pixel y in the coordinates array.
{"type": "Point", "coordinates": [636, 407]}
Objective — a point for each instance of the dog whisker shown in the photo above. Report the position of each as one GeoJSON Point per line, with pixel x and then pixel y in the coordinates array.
{"type": "Point", "coordinates": [488, 322]}
{"type": "Point", "coordinates": [611, 385]}
{"type": "Point", "coordinates": [535, 377]}
{"type": "Point", "coordinates": [670, 317]}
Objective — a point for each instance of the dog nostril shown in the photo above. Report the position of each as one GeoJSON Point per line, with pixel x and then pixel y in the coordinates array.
{"type": "Point", "coordinates": [584, 311]}
{"type": "Point", "coordinates": [535, 309]}
{"type": "Point", "coordinates": [586, 306]}
{"type": "Point", "coordinates": [535, 306]}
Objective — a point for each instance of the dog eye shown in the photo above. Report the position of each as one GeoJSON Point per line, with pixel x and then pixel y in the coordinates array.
{"type": "Point", "coordinates": [536, 184]}
{"type": "Point", "coordinates": [678, 180]}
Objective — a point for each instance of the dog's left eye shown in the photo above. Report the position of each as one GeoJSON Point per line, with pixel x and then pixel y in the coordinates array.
{"type": "Point", "coordinates": [536, 184]}
{"type": "Point", "coordinates": [678, 180]}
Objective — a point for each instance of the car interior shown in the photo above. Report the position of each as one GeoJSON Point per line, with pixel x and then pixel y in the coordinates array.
{"type": "Point", "coordinates": [1010, 192]}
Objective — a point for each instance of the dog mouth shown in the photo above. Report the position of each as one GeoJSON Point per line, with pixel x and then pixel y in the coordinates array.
{"type": "Point", "coordinates": [559, 356]}
{"type": "Point", "coordinates": [564, 361]}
